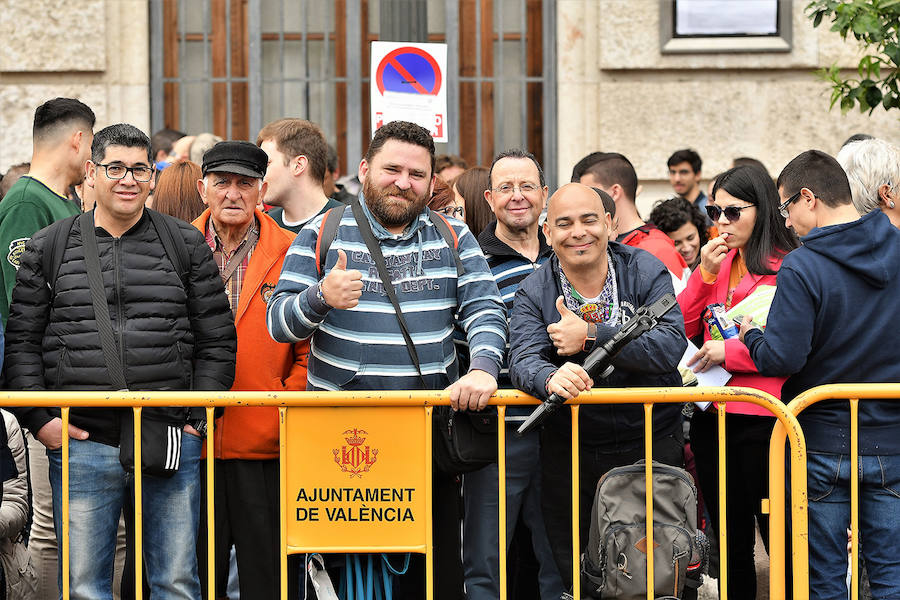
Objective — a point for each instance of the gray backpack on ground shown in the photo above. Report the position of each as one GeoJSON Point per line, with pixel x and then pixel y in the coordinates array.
{"type": "Point", "coordinates": [614, 563]}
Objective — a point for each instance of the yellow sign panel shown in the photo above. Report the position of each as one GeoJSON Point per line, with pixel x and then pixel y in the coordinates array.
{"type": "Point", "coordinates": [356, 479]}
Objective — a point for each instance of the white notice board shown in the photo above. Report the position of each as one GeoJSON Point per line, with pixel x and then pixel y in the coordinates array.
{"type": "Point", "coordinates": [408, 83]}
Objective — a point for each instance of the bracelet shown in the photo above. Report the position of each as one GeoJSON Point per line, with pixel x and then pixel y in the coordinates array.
{"type": "Point", "coordinates": [199, 425]}
{"type": "Point", "coordinates": [320, 295]}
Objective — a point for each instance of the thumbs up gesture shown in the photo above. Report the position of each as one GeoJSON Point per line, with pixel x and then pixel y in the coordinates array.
{"type": "Point", "coordinates": [342, 288]}
{"type": "Point", "coordinates": [569, 333]}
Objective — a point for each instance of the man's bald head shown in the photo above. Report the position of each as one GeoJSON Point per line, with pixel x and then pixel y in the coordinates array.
{"type": "Point", "coordinates": [579, 193]}
{"type": "Point", "coordinates": [577, 227]}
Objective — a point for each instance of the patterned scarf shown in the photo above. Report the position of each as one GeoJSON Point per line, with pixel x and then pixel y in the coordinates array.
{"type": "Point", "coordinates": [602, 309]}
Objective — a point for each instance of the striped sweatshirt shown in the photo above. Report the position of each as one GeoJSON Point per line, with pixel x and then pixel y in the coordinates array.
{"type": "Point", "coordinates": [363, 348]}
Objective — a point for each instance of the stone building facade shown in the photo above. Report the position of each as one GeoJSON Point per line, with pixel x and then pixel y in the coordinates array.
{"type": "Point", "coordinates": [620, 93]}
{"type": "Point", "coordinates": [94, 50]}
{"type": "Point", "coordinates": [615, 89]}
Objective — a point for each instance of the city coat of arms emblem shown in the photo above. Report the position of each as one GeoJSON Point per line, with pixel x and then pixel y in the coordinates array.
{"type": "Point", "coordinates": [355, 458]}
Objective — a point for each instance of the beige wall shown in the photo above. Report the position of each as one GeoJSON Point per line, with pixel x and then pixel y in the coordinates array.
{"type": "Point", "coordinates": [93, 50]}
{"type": "Point", "coordinates": [617, 92]}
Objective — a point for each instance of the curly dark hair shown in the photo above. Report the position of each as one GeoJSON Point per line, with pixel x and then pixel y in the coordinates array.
{"type": "Point", "coordinates": [671, 214]}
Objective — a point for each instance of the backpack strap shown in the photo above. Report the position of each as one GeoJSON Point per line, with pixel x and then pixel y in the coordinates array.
{"type": "Point", "coordinates": [173, 243]}
{"type": "Point", "coordinates": [54, 248]}
{"type": "Point", "coordinates": [327, 232]}
{"type": "Point", "coordinates": [331, 222]}
{"type": "Point", "coordinates": [449, 234]}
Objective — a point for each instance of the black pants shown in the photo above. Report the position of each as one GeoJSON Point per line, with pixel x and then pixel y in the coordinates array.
{"type": "Point", "coordinates": [747, 483]}
{"type": "Point", "coordinates": [557, 483]}
{"type": "Point", "coordinates": [247, 501]}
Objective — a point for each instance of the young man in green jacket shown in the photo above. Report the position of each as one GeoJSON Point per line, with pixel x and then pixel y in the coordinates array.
{"type": "Point", "coordinates": [62, 136]}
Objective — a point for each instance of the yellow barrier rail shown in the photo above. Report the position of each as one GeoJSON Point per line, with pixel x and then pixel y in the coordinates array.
{"type": "Point", "coordinates": [787, 428]}
{"type": "Point", "coordinates": [852, 393]}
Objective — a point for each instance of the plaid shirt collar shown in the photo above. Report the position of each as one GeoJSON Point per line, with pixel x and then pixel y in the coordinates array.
{"type": "Point", "coordinates": [236, 281]}
{"type": "Point", "coordinates": [215, 242]}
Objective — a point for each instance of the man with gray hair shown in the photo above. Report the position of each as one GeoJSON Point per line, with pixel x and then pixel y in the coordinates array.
{"type": "Point", "coordinates": [249, 249]}
{"type": "Point", "coordinates": [873, 169]}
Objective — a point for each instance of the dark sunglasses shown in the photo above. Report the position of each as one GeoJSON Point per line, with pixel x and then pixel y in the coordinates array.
{"type": "Point", "coordinates": [732, 213]}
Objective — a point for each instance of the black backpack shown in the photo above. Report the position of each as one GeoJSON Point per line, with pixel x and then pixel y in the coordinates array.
{"type": "Point", "coordinates": [614, 563]}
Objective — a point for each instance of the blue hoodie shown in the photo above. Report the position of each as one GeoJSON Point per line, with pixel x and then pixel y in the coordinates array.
{"type": "Point", "coordinates": [833, 320]}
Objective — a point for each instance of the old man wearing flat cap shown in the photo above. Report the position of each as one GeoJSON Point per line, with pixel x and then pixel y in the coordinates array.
{"type": "Point", "coordinates": [248, 247]}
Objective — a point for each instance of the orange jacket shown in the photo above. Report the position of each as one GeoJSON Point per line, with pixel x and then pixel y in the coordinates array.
{"type": "Point", "coordinates": [262, 363]}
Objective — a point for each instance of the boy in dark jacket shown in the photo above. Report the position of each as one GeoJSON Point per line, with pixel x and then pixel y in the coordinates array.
{"type": "Point", "coordinates": [832, 321]}
{"type": "Point", "coordinates": [575, 302]}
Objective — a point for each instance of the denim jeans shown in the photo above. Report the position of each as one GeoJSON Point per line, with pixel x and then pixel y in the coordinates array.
{"type": "Point", "coordinates": [97, 488]}
{"type": "Point", "coordinates": [828, 477]}
{"type": "Point", "coordinates": [481, 559]}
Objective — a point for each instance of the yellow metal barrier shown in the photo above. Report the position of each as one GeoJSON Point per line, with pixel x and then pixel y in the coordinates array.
{"type": "Point", "coordinates": [787, 427]}
{"type": "Point", "coordinates": [853, 393]}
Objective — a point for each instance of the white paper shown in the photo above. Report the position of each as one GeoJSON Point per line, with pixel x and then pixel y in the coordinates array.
{"type": "Point", "coordinates": [726, 17]}
{"type": "Point", "coordinates": [715, 376]}
{"type": "Point", "coordinates": [423, 102]}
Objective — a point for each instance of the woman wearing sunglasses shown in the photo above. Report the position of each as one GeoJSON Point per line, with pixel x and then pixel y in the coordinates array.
{"type": "Point", "coordinates": [746, 254]}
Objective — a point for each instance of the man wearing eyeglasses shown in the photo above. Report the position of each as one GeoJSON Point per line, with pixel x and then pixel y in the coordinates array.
{"type": "Point", "coordinates": [833, 320]}
{"type": "Point", "coordinates": [514, 248]}
{"type": "Point", "coordinates": [171, 328]}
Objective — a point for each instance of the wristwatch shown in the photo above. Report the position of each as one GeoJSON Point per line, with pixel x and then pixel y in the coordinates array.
{"type": "Point", "coordinates": [591, 337]}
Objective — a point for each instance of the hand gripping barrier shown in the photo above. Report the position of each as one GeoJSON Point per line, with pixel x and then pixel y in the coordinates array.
{"type": "Point", "coordinates": [648, 397]}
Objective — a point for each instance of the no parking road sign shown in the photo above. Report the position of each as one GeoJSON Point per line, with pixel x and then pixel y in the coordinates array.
{"type": "Point", "coordinates": [409, 83]}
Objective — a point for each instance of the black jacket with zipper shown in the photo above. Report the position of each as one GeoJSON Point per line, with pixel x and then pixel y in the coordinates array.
{"type": "Point", "coordinates": [649, 361]}
{"type": "Point", "coordinates": [170, 336]}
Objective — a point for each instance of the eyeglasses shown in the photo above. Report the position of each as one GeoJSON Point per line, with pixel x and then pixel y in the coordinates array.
{"type": "Point", "coordinates": [141, 174]}
{"type": "Point", "coordinates": [732, 213]}
{"type": "Point", "coordinates": [783, 207]}
{"type": "Point", "coordinates": [507, 189]}
{"type": "Point", "coordinates": [456, 212]}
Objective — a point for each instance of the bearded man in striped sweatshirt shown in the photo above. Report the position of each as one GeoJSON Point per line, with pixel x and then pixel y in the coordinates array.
{"type": "Point", "coordinates": [356, 339]}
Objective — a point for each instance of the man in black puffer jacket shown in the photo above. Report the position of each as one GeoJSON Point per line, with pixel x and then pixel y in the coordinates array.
{"type": "Point", "coordinates": [173, 330]}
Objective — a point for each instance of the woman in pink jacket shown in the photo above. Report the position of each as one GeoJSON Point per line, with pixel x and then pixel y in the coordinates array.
{"type": "Point", "coordinates": [746, 254]}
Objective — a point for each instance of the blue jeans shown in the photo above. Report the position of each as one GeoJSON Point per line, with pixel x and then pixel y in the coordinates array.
{"type": "Point", "coordinates": [97, 488]}
{"type": "Point", "coordinates": [481, 559]}
{"type": "Point", "coordinates": [828, 477]}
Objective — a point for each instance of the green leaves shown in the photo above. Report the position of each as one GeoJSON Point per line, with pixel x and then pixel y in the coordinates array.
{"type": "Point", "coordinates": [876, 25]}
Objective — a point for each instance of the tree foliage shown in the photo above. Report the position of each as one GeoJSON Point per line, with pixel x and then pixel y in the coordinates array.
{"type": "Point", "coordinates": [876, 25]}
